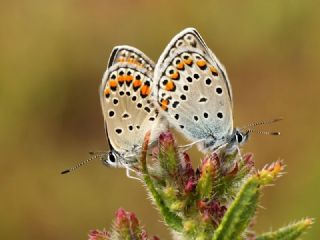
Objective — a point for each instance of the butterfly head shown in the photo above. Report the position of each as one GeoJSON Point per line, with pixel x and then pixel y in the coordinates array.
{"type": "Point", "coordinates": [241, 135]}
{"type": "Point", "coordinates": [237, 139]}
{"type": "Point", "coordinates": [113, 158]}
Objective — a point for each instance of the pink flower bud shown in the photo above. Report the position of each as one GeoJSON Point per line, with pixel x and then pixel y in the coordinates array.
{"type": "Point", "coordinates": [234, 170]}
{"type": "Point", "coordinates": [98, 235]}
{"type": "Point", "coordinates": [248, 160]}
{"type": "Point", "coordinates": [133, 220]}
{"type": "Point", "coordinates": [166, 139]}
{"type": "Point", "coordinates": [186, 167]}
{"type": "Point", "coordinates": [213, 159]}
{"type": "Point", "coordinates": [121, 218]}
{"type": "Point", "coordinates": [190, 186]}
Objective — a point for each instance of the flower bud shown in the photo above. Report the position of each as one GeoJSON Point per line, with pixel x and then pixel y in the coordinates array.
{"type": "Point", "coordinates": [98, 235]}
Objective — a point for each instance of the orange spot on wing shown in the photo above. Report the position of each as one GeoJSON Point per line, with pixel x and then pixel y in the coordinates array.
{"type": "Point", "coordinates": [201, 63]}
{"type": "Point", "coordinates": [129, 79]}
{"type": "Point", "coordinates": [188, 61]}
{"type": "Point", "coordinates": [164, 104]}
{"type": "Point", "coordinates": [121, 79]}
{"type": "Point", "coordinates": [145, 90]}
{"type": "Point", "coordinates": [175, 76]}
{"type": "Point", "coordinates": [135, 62]}
{"type": "Point", "coordinates": [180, 66]}
{"type": "Point", "coordinates": [214, 71]}
{"type": "Point", "coordinates": [136, 83]}
{"type": "Point", "coordinates": [113, 83]}
{"type": "Point", "coordinates": [107, 92]}
{"type": "Point", "coordinates": [129, 60]}
{"type": "Point", "coordinates": [170, 86]}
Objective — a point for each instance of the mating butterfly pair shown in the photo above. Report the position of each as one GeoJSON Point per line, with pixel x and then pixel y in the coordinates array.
{"type": "Point", "coordinates": [188, 89]}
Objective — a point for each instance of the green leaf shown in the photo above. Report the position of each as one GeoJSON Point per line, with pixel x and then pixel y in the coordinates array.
{"type": "Point", "coordinates": [239, 214]}
{"type": "Point", "coordinates": [242, 209]}
{"type": "Point", "coordinates": [290, 232]}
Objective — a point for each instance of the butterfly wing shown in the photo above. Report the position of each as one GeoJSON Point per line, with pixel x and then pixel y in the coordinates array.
{"type": "Point", "coordinates": [193, 90]}
{"type": "Point", "coordinates": [125, 99]}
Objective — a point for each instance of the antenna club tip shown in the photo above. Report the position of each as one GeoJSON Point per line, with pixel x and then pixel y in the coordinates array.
{"type": "Point", "coordinates": [279, 119]}
{"type": "Point", "coordinates": [276, 133]}
{"type": "Point", "coordinates": [65, 171]}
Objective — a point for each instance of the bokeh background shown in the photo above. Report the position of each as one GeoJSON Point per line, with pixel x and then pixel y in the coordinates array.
{"type": "Point", "coordinates": [53, 55]}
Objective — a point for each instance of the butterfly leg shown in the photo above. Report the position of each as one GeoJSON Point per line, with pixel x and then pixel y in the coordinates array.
{"type": "Point", "coordinates": [239, 153]}
{"type": "Point", "coordinates": [186, 147]}
{"type": "Point", "coordinates": [234, 151]}
{"type": "Point", "coordinates": [129, 171]}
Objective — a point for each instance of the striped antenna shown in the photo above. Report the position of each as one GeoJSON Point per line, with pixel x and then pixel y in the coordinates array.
{"type": "Point", "coordinates": [264, 132]}
{"type": "Point", "coordinates": [249, 127]}
{"type": "Point", "coordinates": [262, 123]}
{"type": "Point", "coordinates": [83, 163]}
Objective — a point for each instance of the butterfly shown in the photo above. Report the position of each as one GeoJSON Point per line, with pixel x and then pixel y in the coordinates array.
{"type": "Point", "coordinates": [193, 92]}
{"type": "Point", "coordinates": [127, 105]}
{"type": "Point", "coordinates": [128, 108]}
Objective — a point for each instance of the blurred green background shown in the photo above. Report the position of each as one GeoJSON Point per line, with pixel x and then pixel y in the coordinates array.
{"type": "Point", "coordinates": [53, 55]}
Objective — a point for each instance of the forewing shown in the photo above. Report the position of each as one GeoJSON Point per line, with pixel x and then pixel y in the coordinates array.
{"type": "Point", "coordinates": [125, 98]}
{"type": "Point", "coordinates": [192, 88]}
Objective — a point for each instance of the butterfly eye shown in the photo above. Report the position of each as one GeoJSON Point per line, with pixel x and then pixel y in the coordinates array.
{"type": "Point", "coordinates": [111, 159]}
{"type": "Point", "coordinates": [239, 137]}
